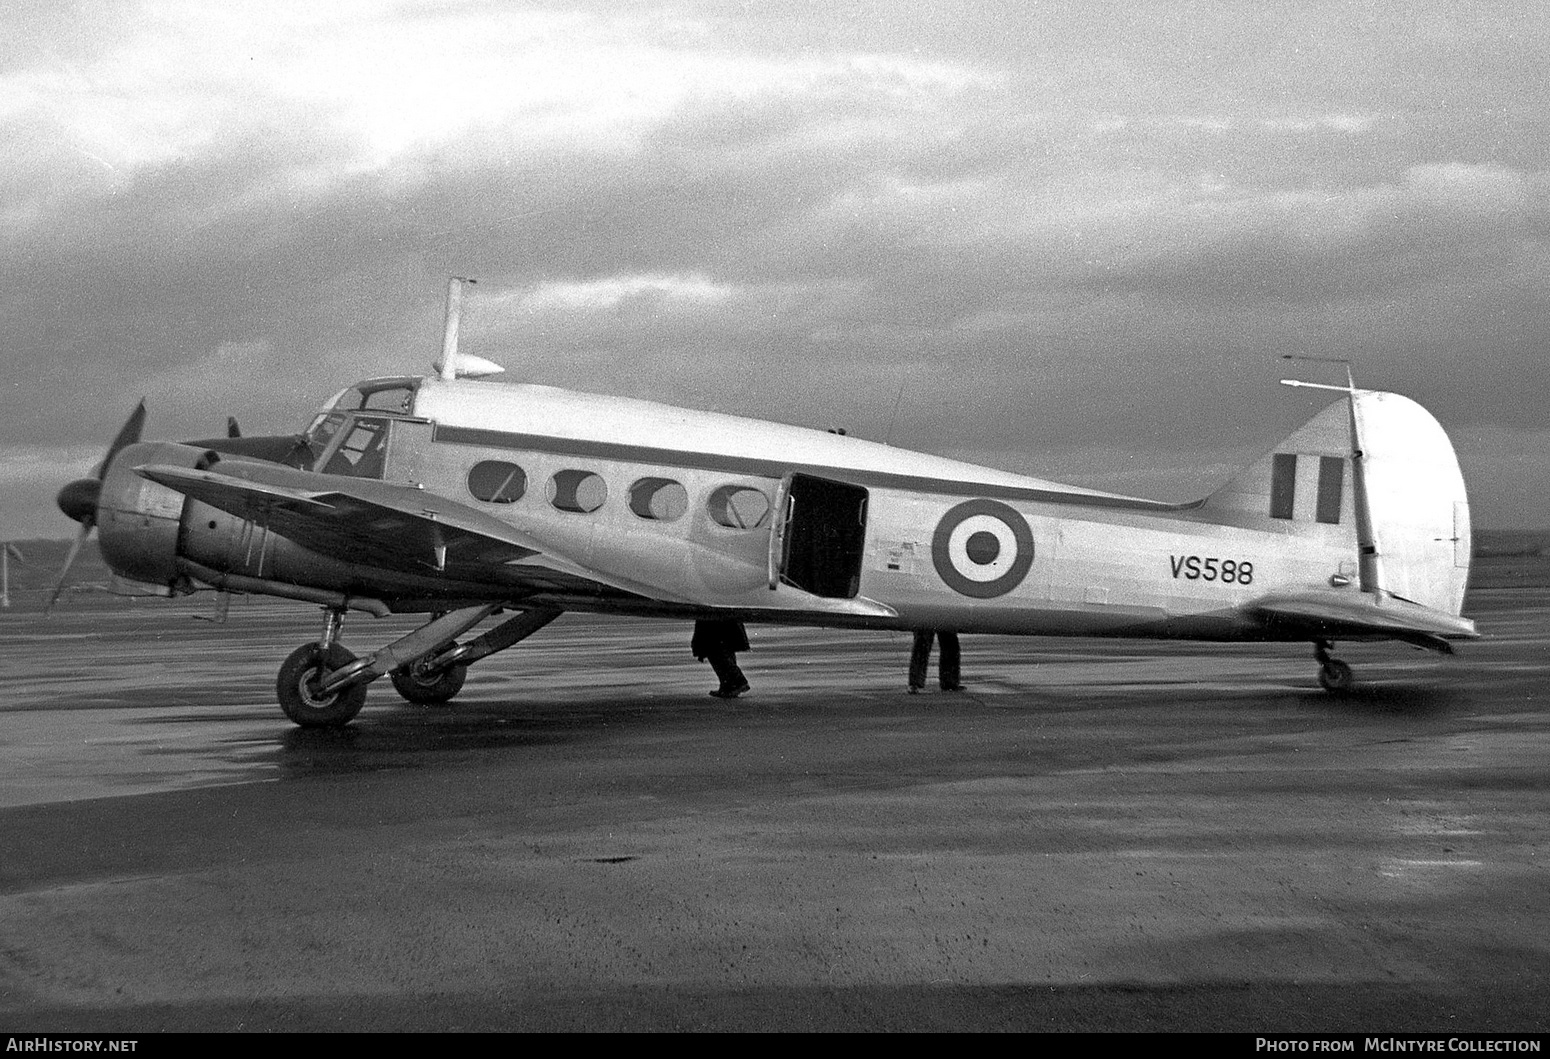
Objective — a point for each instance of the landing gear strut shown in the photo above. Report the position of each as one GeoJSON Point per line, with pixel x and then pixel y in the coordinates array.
{"type": "Point", "coordinates": [322, 685]}
{"type": "Point", "coordinates": [421, 683]}
{"type": "Point", "coordinates": [436, 676]}
{"type": "Point", "coordinates": [1335, 676]}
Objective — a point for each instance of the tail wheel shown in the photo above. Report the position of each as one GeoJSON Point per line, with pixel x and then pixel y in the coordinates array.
{"type": "Point", "coordinates": [428, 689]}
{"type": "Point", "coordinates": [1336, 677]}
{"type": "Point", "coordinates": [297, 688]}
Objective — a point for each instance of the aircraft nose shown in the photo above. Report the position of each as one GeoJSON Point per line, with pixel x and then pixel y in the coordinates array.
{"type": "Point", "coordinates": [79, 498]}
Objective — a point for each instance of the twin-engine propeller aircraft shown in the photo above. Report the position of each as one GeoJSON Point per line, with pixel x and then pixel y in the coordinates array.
{"type": "Point", "coordinates": [461, 498]}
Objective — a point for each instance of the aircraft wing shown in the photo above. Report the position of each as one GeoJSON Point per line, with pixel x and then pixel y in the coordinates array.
{"type": "Point", "coordinates": [362, 520]}
{"type": "Point", "coordinates": [353, 520]}
{"type": "Point", "coordinates": [1337, 615]}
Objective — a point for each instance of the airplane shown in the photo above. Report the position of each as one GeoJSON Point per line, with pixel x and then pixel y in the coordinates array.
{"type": "Point", "coordinates": [461, 498]}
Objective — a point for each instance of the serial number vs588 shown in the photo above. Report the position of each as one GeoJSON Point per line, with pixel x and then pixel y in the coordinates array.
{"type": "Point", "coordinates": [1210, 568]}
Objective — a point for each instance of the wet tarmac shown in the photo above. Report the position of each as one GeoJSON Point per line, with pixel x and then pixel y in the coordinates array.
{"type": "Point", "coordinates": [1097, 835]}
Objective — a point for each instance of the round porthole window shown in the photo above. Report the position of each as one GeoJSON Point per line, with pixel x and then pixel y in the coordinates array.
{"type": "Point", "coordinates": [497, 482]}
{"type": "Point", "coordinates": [659, 499]}
{"type": "Point", "coordinates": [581, 491]}
{"type": "Point", "coordinates": [739, 507]}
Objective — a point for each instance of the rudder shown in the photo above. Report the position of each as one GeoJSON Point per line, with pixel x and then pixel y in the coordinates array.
{"type": "Point", "coordinates": [1420, 508]}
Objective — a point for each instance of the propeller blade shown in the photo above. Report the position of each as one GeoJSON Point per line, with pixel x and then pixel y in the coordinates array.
{"type": "Point", "coordinates": [128, 434]}
{"type": "Point", "coordinates": [75, 549]}
{"type": "Point", "coordinates": [78, 499]}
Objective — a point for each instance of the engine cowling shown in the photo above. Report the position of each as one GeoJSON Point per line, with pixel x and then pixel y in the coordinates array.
{"type": "Point", "coordinates": [139, 521]}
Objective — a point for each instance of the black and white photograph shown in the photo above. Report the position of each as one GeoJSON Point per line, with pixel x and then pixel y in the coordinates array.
{"type": "Point", "coordinates": [720, 516]}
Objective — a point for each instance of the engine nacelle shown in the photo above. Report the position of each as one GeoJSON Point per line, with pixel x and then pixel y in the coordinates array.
{"type": "Point", "coordinates": [139, 521]}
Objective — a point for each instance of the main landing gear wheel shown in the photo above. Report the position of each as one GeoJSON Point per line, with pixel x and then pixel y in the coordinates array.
{"type": "Point", "coordinates": [297, 688]}
{"type": "Point", "coordinates": [1336, 677]}
{"type": "Point", "coordinates": [428, 689]}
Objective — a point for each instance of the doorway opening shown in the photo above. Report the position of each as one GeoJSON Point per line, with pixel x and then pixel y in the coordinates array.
{"type": "Point", "coordinates": [825, 537]}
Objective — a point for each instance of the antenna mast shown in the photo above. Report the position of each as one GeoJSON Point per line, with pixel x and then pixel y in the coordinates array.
{"type": "Point", "coordinates": [452, 364]}
{"type": "Point", "coordinates": [449, 333]}
{"type": "Point", "coordinates": [893, 417]}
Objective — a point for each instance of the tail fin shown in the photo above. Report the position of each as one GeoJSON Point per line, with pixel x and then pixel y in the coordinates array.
{"type": "Point", "coordinates": [1408, 479]}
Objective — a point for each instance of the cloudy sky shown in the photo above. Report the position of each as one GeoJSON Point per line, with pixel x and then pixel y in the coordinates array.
{"type": "Point", "coordinates": [1069, 238]}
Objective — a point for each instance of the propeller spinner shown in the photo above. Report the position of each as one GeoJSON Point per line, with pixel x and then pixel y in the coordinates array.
{"type": "Point", "coordinates": [78, 499]}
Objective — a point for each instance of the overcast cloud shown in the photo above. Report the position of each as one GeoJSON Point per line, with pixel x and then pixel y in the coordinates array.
{"type": "Point", "coordinates": [1067, 238]}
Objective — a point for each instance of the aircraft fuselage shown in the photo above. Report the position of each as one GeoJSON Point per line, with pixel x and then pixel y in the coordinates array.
{"type": "Point", "coordinates": [636, 507]}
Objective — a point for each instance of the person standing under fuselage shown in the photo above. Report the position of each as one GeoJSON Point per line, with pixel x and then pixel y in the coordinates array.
{"type": "Point", "coordinates": [947, 666]}
{"type": "Point", "coordinates": [717, 641]}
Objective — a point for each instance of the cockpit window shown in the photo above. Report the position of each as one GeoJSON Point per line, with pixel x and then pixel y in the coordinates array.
{"type": "Point", "coordinates": [397, 399]}
{"type": "Point", "coordinates": [383, 397]}
{"type": "Point", "coordinates": [322, 430]}
{"type": "Point", "coordinates": [392, 396]}
{"type": "Point", "coordinates": [361, 454]}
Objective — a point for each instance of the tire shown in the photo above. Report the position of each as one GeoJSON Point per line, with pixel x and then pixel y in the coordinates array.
{"type": "Point", "coordinates": [1336, 677]}
{"type": "Point", "coordinates": [412, 683]}
{"type": "Point", "coordinates": [296, 687]}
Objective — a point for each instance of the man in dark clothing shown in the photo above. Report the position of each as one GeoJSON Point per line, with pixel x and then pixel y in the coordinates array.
{"type": "Point", "coordinates": [947, 667]}
{"type": "Point", "coordinates": [718, 642]}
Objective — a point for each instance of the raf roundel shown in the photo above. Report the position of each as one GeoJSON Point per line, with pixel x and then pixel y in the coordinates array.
{"type": "Point", "coordinates": [982, 548]}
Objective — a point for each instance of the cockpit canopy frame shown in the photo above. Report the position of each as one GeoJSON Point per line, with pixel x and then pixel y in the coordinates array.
{"type": "Point", "coordinates": [350, 433]}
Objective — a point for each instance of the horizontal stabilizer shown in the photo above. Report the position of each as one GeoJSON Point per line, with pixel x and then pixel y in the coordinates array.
{"type": "Point", "coordinates": [1336, 615]}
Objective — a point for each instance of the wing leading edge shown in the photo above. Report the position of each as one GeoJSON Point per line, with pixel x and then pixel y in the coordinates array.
{"type": "Point", "coordinates": [353, 520]}
{"type": "Point", "coordinates": [373, 523]}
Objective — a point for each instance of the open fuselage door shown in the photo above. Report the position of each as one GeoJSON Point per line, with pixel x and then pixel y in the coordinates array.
{"type": "Point", "coordinates": [819, 537]}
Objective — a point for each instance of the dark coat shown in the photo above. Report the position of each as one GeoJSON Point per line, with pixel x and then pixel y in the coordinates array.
{"type": "Point", "coordinates": [719, 637]}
